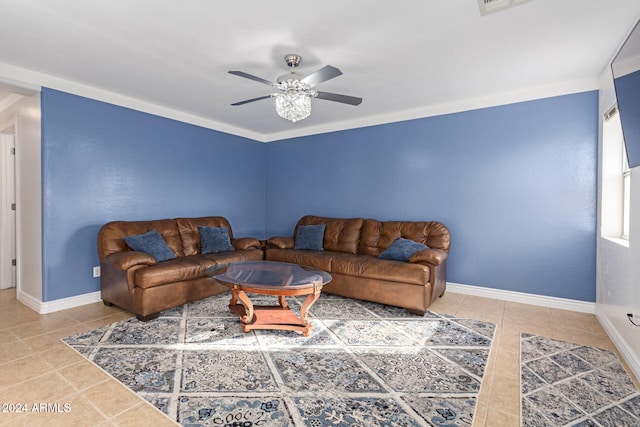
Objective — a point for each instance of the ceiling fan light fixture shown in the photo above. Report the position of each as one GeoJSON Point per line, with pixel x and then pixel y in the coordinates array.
{"type": "Point", "coordinates": [293, 106]}
{"type": "Point", "coordinates": [294, 101]}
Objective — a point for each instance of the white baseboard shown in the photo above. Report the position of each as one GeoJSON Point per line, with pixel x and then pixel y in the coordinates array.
{"type": "Point", "coordinates": [524, 298]}
{"type": "Point", "coordinates": [59, 304]}
{"type": "Point", "coordinates": [560, 303]}
{"type": "Point", "coordinates": [618, 340]}
{"type": "Point", "coordinates": [499, 294]}
{"type": "Point", "coordinates": [29, 301]}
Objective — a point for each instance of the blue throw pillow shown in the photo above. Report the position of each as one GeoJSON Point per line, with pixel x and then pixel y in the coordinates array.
{"type": "Point", "coordinates": [310, 237]}
{"type": "Point", "coordinates": [402, 249]}
{"type": "Point", "coordinates": [152, 243]}
{"type": "Point", "coordinates": [214, 239]}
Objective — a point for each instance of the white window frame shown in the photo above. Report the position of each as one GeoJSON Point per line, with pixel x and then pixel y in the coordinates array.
{"type": "Point", "coordinates": [626, 194]}
{"type": "Point", "coordinates": [616, 180]}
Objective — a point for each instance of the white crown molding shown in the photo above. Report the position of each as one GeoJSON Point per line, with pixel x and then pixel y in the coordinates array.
{"type": "Point", "coordinates": [32, 80]}
{"type": "Point", "coordinates": [18, 87]}
{"type": "Point", "coordinates": [524, 298]}
{"type": "Point", "coordinates": [627, 66]}
{"type": "Point", "coordinates": [22, 77]}
{"type": "Point", "coordinates": [565, 88]}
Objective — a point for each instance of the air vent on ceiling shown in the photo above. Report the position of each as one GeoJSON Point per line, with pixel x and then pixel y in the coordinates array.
{"type": "Point", "coordinates": [491, 6]}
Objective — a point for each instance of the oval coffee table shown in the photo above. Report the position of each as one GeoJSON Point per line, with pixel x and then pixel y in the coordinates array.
{"type": "Point", "coordinates": [271, 278]}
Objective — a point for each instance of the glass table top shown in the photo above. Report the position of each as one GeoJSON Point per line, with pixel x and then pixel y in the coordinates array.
{"type": "Point", "coordinates": [270, 275]}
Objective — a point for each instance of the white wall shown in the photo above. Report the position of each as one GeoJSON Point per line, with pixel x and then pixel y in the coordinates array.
{"type": "Point", "coordinates": [26, 114]}
{"type": "Point", "coordinates": [618, 266]}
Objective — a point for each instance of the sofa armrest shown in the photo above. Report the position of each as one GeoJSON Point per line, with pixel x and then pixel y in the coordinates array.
{"type": "Point", "coordinates": [245, 243]}
{"type": "Point", "coordinates": [281, 242]}
{"type": "Point", "coordinates": [126, 259]}
{"type": "Point", "coordinates": [430, 256]}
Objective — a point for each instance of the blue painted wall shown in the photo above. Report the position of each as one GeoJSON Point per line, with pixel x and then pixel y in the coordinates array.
{"type": "Point", "coordinates": [102, 163]}
{"type": "Point", "coordinates": [516, 185]}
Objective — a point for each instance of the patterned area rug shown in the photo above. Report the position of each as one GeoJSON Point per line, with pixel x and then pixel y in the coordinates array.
{"type": "Point", "coordinates": [363, 364]}
{"type": "Point", "coordinates": [566, 384]}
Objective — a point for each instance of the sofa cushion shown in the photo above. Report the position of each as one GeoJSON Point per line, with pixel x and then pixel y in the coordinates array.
{"type": "Point", "coordinates": [111, 235]}
{"type": "Point", "coordinates": [380, 269]}
{"type": "Point", "coordinates": [214, 239]}
{"type": "Point", "coordinates": [174, 270]}
{"type": "Point", "coordinates": [281, 242]}
{"type": "Point", "coordinates": [314, 259]}
{"type": "Point", "coordinates": [310, 237]}
{"type": "Point", "coordinates": [379, 235]}
{"type": "Point", "coordinates": [188, 228]}
{"type": "Point", "coordinates": [235, 256]}
{"type": "Point", "coordinates": [246, 243]}
{"type": "Point", "coordinates": [402, 249]}
{"type": "Point", "coordinates": [341, 234]}
{"type": "Point", "coordinates": [189, 268]}
{"type": "Point", "coordinates": [152, 243]}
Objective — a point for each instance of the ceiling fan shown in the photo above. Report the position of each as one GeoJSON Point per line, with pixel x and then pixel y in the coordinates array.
{"type": "Point", "coordinates": [293, 101]}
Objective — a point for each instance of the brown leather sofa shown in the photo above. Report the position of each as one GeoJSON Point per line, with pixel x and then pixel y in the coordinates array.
{"type": "Point", "coordinates": [136, 282]}
{"type": "Point", "coordinates": [350, 253]}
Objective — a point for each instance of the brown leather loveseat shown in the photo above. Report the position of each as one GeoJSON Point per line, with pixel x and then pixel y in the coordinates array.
{"type": "Point", "coordinates": [136, 282]}
{"type": "Point", "coordinates": [350, 250]}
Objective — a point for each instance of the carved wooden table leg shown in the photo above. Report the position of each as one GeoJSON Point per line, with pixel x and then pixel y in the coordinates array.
{"type": "Point", "coordinates": [283, 302]}
{"type": "Point", "coordinates": [233, 300]}
{"type": "Point", "coordinates": [304, 310]}
{"type": "Point", "coordinates": [244, 310]}
{"type": "Point", "coordinates": [278, 316]}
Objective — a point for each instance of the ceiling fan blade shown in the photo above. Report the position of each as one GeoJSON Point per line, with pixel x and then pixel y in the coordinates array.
{"type": "Point", "coordinates": [345, 99]}
{"type": "Point", "coordinates": [251, 77]}
{"type": "Point", "coordinates": [322, 75]}
{"type": "Point", "coordinates": [251, 100]}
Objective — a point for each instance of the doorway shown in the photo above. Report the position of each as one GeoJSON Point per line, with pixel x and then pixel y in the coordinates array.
{"type": "Point", "coordinates": [7, 208]}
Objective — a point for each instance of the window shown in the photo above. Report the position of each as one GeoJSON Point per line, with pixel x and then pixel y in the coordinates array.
{"type": "Point", "coordinates": [616, 179]}
{"type": "Point", "coordinates": [626, 193]}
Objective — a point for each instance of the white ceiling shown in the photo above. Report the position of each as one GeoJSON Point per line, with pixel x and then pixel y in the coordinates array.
{"type": "Point", "coordinates": [405, 58]}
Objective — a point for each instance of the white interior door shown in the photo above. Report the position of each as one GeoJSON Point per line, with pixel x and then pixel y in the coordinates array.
{"type": "Point", "coordinates": [7, 211]}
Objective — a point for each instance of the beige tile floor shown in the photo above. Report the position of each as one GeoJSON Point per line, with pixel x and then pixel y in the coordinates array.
{"type": "Point", "coordinates": [36, 367]}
